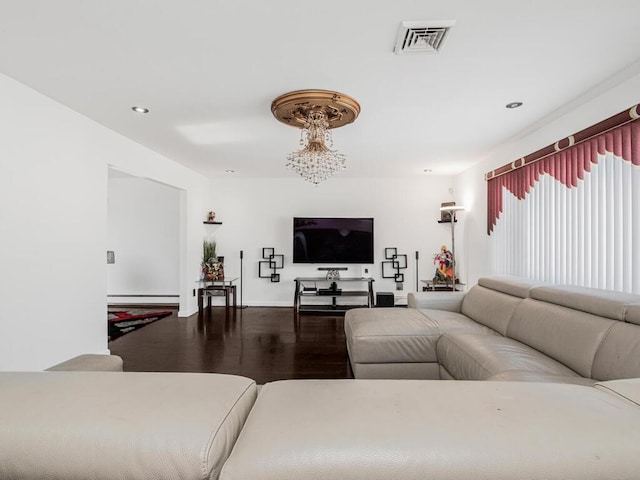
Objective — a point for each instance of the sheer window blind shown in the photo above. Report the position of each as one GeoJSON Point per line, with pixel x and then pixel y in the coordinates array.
{"type": "Point", "coordinates": [573, 216]}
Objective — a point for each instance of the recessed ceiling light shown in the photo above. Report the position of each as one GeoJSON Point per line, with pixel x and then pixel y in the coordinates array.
{"type": "Point", "coordinates": [230, 171]}
{"type": "Point", "coordinates": [513, 105]}
{"type": "Point", "coordinates": [140, 109]}
{"type": "Point", "coordinates": [427, 170]}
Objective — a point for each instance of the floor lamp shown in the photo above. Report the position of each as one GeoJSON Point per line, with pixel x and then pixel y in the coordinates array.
{"type": "Point", "coordinates": [452, 211]}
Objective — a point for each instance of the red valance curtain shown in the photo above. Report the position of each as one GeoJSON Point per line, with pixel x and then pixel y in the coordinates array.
{"type": "Point", "coordinates": [567, 166]}
{"type": "Point", "coordinates": [572, 216]}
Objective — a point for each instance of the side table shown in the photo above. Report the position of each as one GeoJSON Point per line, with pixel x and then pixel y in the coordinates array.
{"type": "Point", "coordinates": [211, 288]}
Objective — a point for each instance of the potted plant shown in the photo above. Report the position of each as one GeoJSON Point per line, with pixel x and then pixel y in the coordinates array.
{"type": "Point", "coordinates": [212, 268]}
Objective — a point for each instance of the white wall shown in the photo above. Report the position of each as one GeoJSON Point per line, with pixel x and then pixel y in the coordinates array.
{"type": "Point", "coordinates": [53, 218]}
{"type": "Point", "coordinates": [143, 229]}
{"type": "Point", "coordinates": [259, 213]}
{"type": "Point", "coordinates": [471, 187]}
{"type": "Point", "coordinates": [194, 196]}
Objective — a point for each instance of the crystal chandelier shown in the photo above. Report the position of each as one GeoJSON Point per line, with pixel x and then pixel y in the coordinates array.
{"type": "Point", "coordinates": [316, 162]}
{"type": "Point", "coordinates": [316, 112]}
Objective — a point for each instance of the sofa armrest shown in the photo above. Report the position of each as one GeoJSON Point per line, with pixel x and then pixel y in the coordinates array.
{"type": "Point", "coordinates": [89, 363]}
{"type": "Point", "coordinates": [451, 301]}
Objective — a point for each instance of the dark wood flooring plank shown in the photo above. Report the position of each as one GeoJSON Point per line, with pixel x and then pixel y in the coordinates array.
{"type": "Point", "coordinates": [263, 343]}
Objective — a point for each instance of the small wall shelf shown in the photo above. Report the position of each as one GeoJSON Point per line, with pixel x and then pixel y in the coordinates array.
{"type": "Point", "coordinates": [212, 223]}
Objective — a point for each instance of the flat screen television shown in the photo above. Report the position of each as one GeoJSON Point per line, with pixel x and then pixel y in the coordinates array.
{"type": "Point", "coordinates": [332, 240]}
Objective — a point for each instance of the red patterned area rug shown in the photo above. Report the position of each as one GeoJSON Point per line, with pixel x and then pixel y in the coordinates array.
{"type": "Point", "coordinates": [123, 322]}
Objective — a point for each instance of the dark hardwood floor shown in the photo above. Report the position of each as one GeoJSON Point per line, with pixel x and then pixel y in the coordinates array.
{"type": "Point", "coordinates": [262, 343]}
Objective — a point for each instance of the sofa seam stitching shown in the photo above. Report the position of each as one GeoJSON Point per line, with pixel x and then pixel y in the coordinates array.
{"type": "Point", "coordinates": [400, 336]}
{"type": "Point", "coordinates": [465, 352]}
{"type": "Point", "coordinates": [607, 389]}
{"type": "Point", "coordinates": [595, 355]}
{"type": "Point", "coordinates": [214, 434]}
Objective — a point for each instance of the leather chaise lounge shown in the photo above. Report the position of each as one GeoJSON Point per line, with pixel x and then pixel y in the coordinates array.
{"type": "Point", "coordinates": [557, 402]}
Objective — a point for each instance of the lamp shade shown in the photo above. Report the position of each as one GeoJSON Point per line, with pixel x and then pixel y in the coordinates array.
{"type": "Point", "coordinates": [452, 208]}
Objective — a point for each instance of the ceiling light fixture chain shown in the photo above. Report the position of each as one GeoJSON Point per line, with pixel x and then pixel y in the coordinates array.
{"type": "Point", "coordinates": [315, 112]}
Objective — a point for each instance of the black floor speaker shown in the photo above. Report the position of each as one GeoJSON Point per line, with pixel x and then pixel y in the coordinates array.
{"type": "Point", "coordinates": [384, 299]}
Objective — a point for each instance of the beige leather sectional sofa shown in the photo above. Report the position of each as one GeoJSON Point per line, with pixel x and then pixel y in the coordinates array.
{"type": "Point", "coordinates": [502, 329]}
{"type": "Point", "coordinates": [123, 425]}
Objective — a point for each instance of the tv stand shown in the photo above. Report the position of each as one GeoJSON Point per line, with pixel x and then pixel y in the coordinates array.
{"type": "Point", "coordinates": [332, 291]}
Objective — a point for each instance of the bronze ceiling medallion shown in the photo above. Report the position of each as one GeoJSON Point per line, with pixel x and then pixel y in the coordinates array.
{"type": "Point", "coordinates": [293, 108]}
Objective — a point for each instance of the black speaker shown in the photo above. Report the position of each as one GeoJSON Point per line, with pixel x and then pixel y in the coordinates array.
{"type": "Point", "coordinates": [384, 299]}
{"type": "Point", "coordinates": [417, 266]}
{"type": "Point", "coordinates": [241, 286]}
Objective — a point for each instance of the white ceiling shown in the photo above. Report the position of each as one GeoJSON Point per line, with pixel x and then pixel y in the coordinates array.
{"type": "Point", "coordinates": [208, 71]}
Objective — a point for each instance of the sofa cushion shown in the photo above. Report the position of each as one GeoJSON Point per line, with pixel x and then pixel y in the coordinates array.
{"type": "Point", "coordinates": [378, 335]}
{"type": "Point", "coordinates": [490, 307]}
{"type": "Point", "coordinates": [107, 425]}
{"type": "Point", "coordinates": [619, 353]}
{"type": "Point", "coordinates": [409, 430]}
{"type": "Point", "coordinates": [514, 286]}
{"type": "Point", "coordinates": [451, 322]}
{"type": "Point", "coordinates": [632, 314]}
{"type": "Point", "coordinates": [570, 336]}
{"type": "Point", "coordinates": [604, 303]}
{"type": "Point", "coordinates": [479, 357]}
{"type": "Point", "coordinates": [401, 335]}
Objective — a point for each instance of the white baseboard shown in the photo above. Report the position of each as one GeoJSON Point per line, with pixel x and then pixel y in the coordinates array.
{"type": "Point", "coordinates": [187, 313]}
{"type": "Point", "coordinates": [141, 300]}
{"type": "Point", "coordinates": [269, 303]}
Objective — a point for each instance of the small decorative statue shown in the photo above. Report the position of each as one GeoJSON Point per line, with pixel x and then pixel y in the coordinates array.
{"type": "Point", "coordinates": [444, 265]}
{"type": "Point", "coordinates": [212, 216]}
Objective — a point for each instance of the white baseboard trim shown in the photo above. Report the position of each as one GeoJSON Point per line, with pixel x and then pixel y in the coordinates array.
{"type": "Point", "coordinates": [187, 313]}
{"type": "Point", "coordinates": [269, 303]}
{"type": "Point", "coordinates": [142, 300]}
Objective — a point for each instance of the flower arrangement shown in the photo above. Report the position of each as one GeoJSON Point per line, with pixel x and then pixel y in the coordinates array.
{"type": "Point", "coordinates": [212, 267]}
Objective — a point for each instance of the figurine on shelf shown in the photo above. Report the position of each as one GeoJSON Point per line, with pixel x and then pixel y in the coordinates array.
{"type": "Point", "coordinates": [212, 216]}
{"type": "Point", "coordinates": [444, 262]}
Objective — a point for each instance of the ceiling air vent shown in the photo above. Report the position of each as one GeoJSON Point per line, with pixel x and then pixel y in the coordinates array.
{"type": "Point", "coordinates": [422, 37]}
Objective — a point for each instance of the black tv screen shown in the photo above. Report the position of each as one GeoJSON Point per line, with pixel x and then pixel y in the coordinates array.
{"type": "Point", "coordinates": [332, 240]}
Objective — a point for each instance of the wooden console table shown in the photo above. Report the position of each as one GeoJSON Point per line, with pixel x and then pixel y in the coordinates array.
{"type": "Point", "coordinates": [333, 307]}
